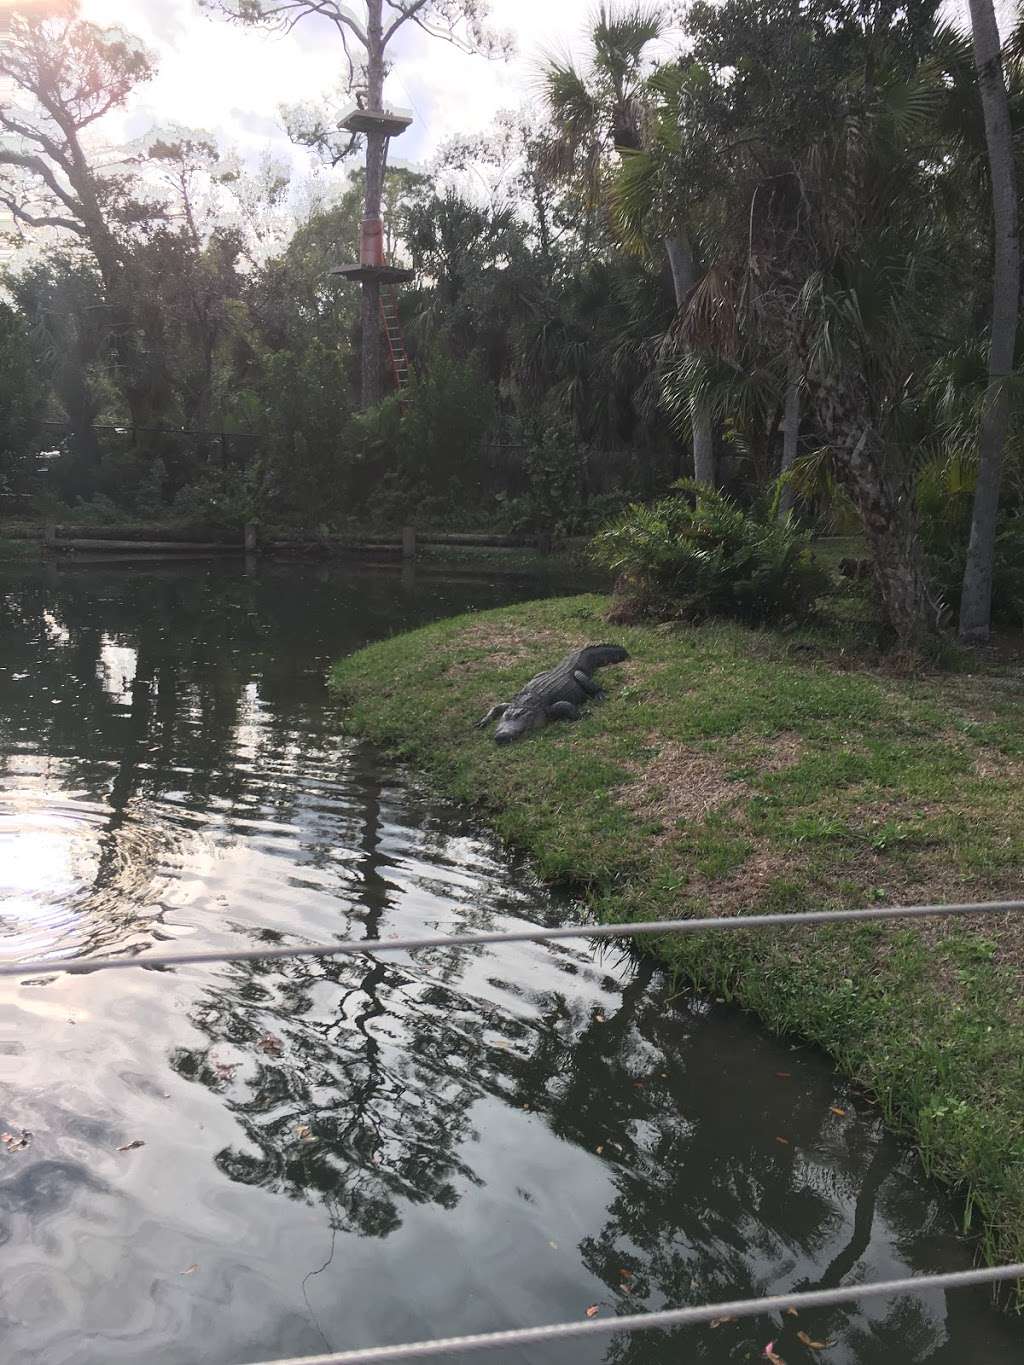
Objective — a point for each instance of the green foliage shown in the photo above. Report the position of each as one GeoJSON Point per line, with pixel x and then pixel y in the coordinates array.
{"type": "Point", "coordinates": [223, 499]}
{"type": "Point", "coordinates": [308, 464]}
{"type": "Point", "coordinates": [20, 395]}
{"type": "Point", "coordinates": [700, 554]}
{"type": "Point", "coordinates": [449, 410]}
{"type": "Point", "coordinates": [553, 500]}
{"type": "Point", "coordinates": [945, 537]}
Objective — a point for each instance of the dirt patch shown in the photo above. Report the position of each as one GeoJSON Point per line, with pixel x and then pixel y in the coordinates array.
{"type": "Point", "coordinates": [683, 784]}
{"type": "Point", "coordinates": [745, 888]}
{"type": "Point", "coordinates": [783, 751]}
{"type": "Point", "coordinates": [506, 647]}
{"type": "Point", "coordinates": [680, 784]}
{"type": "Point", "coordinates": [992, 764]}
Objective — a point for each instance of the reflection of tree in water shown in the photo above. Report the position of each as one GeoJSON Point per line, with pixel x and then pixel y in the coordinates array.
{"type": "Point", "coordinates": [383, 1082]}
{"type": "Point", "coordinates": [198, 639]}
{"type": "Point", "coordinates": [707, 1209]}
{"type": "Point", "coordinates": [384, 1062]}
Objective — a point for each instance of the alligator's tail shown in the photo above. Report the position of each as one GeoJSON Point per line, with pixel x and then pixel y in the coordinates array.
{"type": "Point", "coordinates": [597, 656]}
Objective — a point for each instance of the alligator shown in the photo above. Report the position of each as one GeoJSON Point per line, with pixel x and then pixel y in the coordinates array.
{"type": "Point", "coordinates": [554, 695]}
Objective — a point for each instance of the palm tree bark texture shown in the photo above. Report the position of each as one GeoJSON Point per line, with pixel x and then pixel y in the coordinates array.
{"type": "Point", "coordinates": [885, 501]}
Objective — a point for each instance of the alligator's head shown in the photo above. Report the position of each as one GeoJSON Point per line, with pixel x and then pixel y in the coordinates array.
{"type": "Point", "coordinates": [518, 721]}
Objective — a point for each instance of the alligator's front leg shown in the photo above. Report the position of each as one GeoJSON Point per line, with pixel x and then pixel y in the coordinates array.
{"type": "Point", "coordinates": [563, 710]}
{"type": "Point", "coordinates": [495, 713]}
{"type": "Point", "coordinates": [589, 686]}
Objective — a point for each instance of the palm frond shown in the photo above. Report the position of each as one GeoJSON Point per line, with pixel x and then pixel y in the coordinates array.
{"type": "Point", "coordinates": [619, 36]}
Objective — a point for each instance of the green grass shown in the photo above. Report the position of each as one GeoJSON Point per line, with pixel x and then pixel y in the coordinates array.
{"type": "Point", "coordinates": [724, 775]}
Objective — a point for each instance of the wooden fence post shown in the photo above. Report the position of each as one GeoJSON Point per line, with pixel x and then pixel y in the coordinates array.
{"type": "Point", "coordinates": [408, 542]}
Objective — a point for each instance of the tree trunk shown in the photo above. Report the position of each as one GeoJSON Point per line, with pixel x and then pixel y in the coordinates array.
{"type": "Point", "coordinates": [372, 370]}
{"type": "Point", "coordinates": [790, 437]}
{"type": "Point", "coordinates": [887, 509]}
{"type": "Point", "coordinates": [680, 260]}
{"type": "Point", "coordinates": [376, 155]}
{"type": "Point", "coordinates": [976, 599]}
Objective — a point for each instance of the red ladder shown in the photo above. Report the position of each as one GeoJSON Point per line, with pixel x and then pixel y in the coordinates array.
{"type": "Point", "coordinates": [396, 344]}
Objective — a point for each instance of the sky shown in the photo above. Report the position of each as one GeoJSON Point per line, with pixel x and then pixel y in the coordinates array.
{"type": "Point", "coordinates": [233, 82]}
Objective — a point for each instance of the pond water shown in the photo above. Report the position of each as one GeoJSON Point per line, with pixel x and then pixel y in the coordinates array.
{"type": "Point", "coordinates": [336, 1153]}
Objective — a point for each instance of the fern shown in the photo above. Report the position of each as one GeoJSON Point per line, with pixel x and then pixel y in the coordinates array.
{"type": "Point", "coordinates": [700, 554]}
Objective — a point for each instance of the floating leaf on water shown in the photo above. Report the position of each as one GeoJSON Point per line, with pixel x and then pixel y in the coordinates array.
{"type": "Point", "coordinates": [599, 1149]}
{"type": "Point", "coordinates": [769, 1354]}
{"type": "Point", "coordinates": [598, 1018]}
{"type": "Point", "coordinates": [813, 1345]}
{"type": "Point", "coordinates": [225, 1070]}
{"type": "Point", "coordinates": [553, 1246]}
{"type": "Point", "coordinates": [593, 1311]}
{"type": "Point", "coordinates": [840, 1112]}
{"type": "Point", "coordinates": [784, 1075]}
{"type": "Point", "coordinates": [720, 1322]}
{"type": "Point", "coordinates": [784, 1141]}
{"type": "Point", "coordinates": [16, 1142]}
{"type": "Point", "coordinates": [626, 1274]}
{"type": "Point", "coordinates": [189, 1269]}
{"type": "Point", "coordinates": [272, 1044]}
{"type": "Point", "coordinates": [303, 1131]}
{"type": "Point", "coordinates": [792, 1313]}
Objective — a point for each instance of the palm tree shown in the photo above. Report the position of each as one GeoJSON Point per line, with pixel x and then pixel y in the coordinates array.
{"type": "Point", "coordinates": [603, 111]}
{"type": "Point", "coordinates": [976, 598]}
{"type": "Point", "coordinates": [808, 169]}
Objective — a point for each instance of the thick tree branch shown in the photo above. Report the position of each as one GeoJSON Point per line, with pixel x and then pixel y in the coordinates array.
{"type": "Point", "coordinates": [39, 167]}
{"type": "Point", "coordinates": [11, 124]}
{"type": "Point", "coordinates": [23, 215]}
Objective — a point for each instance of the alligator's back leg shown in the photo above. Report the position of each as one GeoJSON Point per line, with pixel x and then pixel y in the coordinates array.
{"type": "Point", "coordinates": [495, 713]}
{"type": "Point", "coordinates": [589, 685]}
{"type": "Point", "coordinates": [563, 710]}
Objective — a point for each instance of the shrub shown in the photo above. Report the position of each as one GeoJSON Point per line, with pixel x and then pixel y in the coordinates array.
{"type": "Point", "coordinates": [700, 554]}
{"type": "Point", "coordinates": [223, 499]}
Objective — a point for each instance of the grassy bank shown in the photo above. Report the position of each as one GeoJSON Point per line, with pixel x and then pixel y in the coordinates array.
{"type": "Point", "coordinates": [729, 773]}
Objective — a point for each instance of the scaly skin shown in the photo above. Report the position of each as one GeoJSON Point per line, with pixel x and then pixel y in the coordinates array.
{"type": "Point", "coordinates": [554, 695]}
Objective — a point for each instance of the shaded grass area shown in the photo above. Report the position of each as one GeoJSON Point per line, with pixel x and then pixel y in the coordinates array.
{"type": "Point", "coordinates": [726, 775]}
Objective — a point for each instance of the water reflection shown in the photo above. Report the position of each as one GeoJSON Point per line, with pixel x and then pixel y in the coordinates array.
{"type": "Point", "coordinates": [262, 1158]}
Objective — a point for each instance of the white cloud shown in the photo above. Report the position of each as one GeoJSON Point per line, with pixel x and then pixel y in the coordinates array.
{"type": "Point", "coordinates": [233, 82]}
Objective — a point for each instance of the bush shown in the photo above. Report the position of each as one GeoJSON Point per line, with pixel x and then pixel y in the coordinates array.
{"type": "Point", "coordinates": [223, 499]}
{"type": "Point", "coordinates": [700, 554]}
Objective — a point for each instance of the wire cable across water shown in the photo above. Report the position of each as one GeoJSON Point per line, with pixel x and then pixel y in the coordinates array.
{"type": "Point", "coordinates": [636, 1322]}
{"type": "Point", "coordinates": [669, 1317]}
{"type": "Point", "coordinates": [81, 966]}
